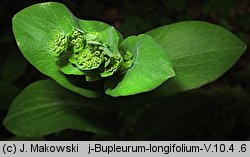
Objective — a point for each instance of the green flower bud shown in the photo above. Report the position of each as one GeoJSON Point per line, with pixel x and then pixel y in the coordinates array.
{"type": "Point", "coordinates": [127, 61]}
{"type": "Point", "coordinates": [127, 56]}
{"type": "Point", "coordinates": [113, 65]}
{"type": "Point", "coordinates": [59, 44]}
{"type": "Point", "coordinates": [128, 64]}
{"type": "Point", "coordinates": [90, 55]}
{"type": "Point", "coordinates": [76, 41]}
{"type": "Point", "coordinates": [97, 53]}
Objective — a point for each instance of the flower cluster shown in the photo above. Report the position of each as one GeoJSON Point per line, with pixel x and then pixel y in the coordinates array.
{"type": "Point", "coordinates": [60, 43]}
{"type": "Point", "coordinates": [90, 55]}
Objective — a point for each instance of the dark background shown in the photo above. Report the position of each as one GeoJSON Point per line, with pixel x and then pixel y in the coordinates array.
{"type": "Point", "coordinates": [231, 116]}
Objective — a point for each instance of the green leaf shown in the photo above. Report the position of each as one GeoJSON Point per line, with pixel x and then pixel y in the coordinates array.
{"type": "Point", "coordinates": [92, 26]}
{"type": "Point", "coordinates": [34, 28]}
{"type": "Point", "coordinates": [151, 67]}
{"type": "Point", "coordinates": [174, 117]}
{"type": "Point", "coordinates": [7, 93]}
{"type": "Point", "coordinates": [45, 107]}
{"type": "Point", "coordinates": [110, 37]}
{"type": "Point", "coordinates": [201, 53]}
{"type": "Point", "coordinates": [70, 69]}
{"type": "Point", "coordinates": [97, 26]}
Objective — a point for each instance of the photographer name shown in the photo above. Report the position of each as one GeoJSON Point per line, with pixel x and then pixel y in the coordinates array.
{"type": "Point", "coordinates": [45, 148]}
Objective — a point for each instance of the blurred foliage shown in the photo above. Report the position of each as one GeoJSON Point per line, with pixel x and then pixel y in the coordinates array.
{"type": "Point", "coordinates": [231, 120]}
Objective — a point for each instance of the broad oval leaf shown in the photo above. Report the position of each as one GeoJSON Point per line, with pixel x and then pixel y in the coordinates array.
{"type": "Point", "coordinates": [45, 107]}
{"type": "Point", "coordinates": [35, 26]}
{"type": "Point", "coordinates": [151, 67]}
{"type": "Point", "coordinates": [201, 53]}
